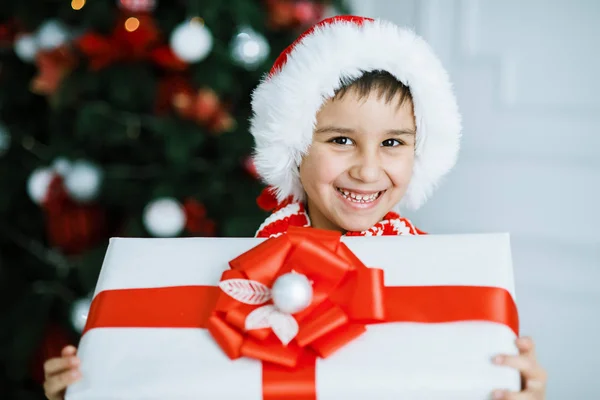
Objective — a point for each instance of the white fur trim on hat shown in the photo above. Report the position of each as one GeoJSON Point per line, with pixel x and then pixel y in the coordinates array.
{"type": "Point", "coordinates": [285, 104]}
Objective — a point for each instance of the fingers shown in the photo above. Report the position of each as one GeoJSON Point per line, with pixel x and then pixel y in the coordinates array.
{"type": "Point", "coordinates": [533, 374]}
{"type": "Point", "coordinates": [526, 365]}
{"type": "Point", "coordinates": [55, 385]}
{"type": "Point", "coordinates": [505, 395]}
{"type": "Point", "coordinates": [526, 346]}
{"type": "Point", "coordinates": [534, 390]}
{"type": "Point", "coordinates": [68, 351]}
{"type": "Point", "coordinates": [58, 365]}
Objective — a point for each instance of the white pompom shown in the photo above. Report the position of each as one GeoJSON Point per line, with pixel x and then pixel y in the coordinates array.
{"type": "Point", "coordinates": [191, 41]}
{"type": "Point", "coordinates": [292, 293]}
{"type": "Point", "coordinates": [38, 183]}
{"type": "Point", "coordinates": [249, 48]}
{"type": "Point", "coordinates": [83, 180]}
{"type": "Point", "coordinates": [79, 313]}
{"type": "Point", "coordinates": [164, 217]}
{"type": "Point", "coordinates": [52, 34]}
{"type": "Point", "coordinates": [26, 47]}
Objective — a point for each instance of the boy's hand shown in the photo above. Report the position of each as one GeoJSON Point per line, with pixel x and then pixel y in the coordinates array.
{"type": "Point", "coordinates": [534, 376]}
{"type": "Point", "coordinates": [61, 372]}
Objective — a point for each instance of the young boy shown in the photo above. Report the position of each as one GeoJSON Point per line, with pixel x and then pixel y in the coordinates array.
{"type": "Point", "coordinates": [356, 119]}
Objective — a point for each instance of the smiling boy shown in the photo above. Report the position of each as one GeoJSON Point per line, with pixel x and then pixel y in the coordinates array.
{"type": "Point", "coordinates": [356, 120]}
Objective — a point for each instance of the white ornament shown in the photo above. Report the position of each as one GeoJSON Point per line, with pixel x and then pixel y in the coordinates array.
{"type": "Point", "coordinates": [249, 48]}
{"type": "Point", "coordinates": [5, 140]}
{"type": "Point", "coordinates": [191, 41]}
{"type": "Point", "coordinates": [164, 217]}
{"type": "Point", "coordinates": [38, 183]}
{"type": "Point", "coordinates": [292, 293]}
{"type": "Point", "coordinates": [26, 47]}
{"type": "Point", "coordinates": [79, 313]}
{"type": "Point", "coordinates": [51, 34]}
{"type": "Point", "coordinates": [83, 180]}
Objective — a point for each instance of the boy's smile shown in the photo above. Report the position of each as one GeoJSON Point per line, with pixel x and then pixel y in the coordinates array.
{"type": "Point", "coordinates": [360, 162]}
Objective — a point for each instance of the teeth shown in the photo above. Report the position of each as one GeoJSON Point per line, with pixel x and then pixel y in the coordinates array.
{"type": "Point", "coordinates": [359, 198]}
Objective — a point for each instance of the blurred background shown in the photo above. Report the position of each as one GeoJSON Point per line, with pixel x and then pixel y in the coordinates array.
{"type": "Point", "coordinates": [130, 118]}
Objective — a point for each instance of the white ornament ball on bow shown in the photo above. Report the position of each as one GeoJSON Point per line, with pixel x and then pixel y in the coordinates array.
{"type": "Point", "coordinates": [52, 34]}
{"type": "Point", "coordinates": [164, 217]}
{"type": "Point", "coordinates": [292, 293]}
{"type": "Point", "coordinates": [82, 180]}
{"type": "Point", "coordinates": [191, 41]}
{"type": "Point", "coordinates": [26, 47]}
{"type": "Point", "coordinates": [249, 48]}
{"type": "Point", "coordinates": [79, 313]}
{"type": "Point", "coordinates": [38, 183]}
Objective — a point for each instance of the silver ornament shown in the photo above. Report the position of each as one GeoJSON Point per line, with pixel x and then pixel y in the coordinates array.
{"type": "Point", "coordinates": [249, 48]}
{"type": "Point", "coordinates": [292, 293]}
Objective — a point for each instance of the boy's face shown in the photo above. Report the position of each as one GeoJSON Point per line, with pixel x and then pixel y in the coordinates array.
{"type": "Point", "coordinates": [360, 161]}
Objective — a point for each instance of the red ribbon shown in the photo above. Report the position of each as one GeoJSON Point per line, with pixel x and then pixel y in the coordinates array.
{"type": "Point", "coordinates": [346, 297]}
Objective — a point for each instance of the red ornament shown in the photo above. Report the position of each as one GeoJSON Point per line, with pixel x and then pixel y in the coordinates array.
{"type": "Point", "coordinates": [222, 122]}
{"type": "Point", "coordinates": [307, 12]}
{"type": "Point", "coordinates": [294, 14]}
{"type": "Point", "coordinates": [197, 222]}
{"type": "Point", "coordinates": [281, 13]}
{"type": "Point", "coordinates": [206, 105]}
{"type": "Point", "coordinates": [70, 226]}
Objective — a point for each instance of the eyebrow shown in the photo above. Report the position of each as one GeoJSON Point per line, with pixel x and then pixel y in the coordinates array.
{"type": "Point", "coordinates": [337, 129]}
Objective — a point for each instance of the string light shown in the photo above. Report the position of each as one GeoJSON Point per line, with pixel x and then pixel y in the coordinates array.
{"type": "Point", "coordinates": [131, 24]}
{"type": "Point", "coordinates": [77, 4]}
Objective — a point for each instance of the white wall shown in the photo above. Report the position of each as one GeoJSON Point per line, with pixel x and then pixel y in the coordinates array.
{"type": "Point", "coordinates": [526, 77]}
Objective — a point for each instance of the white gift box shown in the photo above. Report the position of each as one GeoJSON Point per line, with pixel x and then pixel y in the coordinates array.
{"type": "Point", "coordinates": [410, 361]}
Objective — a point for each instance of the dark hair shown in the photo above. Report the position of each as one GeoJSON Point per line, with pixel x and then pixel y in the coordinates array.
{"type": "Point", "coordinates": [383, 82]}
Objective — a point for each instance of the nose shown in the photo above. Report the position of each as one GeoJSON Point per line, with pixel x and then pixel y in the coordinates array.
{"type": "Point", "coordinates": [366, 167]}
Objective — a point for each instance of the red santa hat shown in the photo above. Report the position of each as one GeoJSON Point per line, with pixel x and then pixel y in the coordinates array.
{"type": "Point", "coordinates": [308, 72]}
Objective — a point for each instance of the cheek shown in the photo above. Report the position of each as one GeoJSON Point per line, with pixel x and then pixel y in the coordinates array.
{"type": "Point", "coordinates": [400, 171]}
{"type": "Point", "coordinates": [320, 167]}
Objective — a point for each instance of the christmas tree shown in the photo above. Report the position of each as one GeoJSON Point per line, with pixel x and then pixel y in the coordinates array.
{"type": "Point", "coordinates": [120, 118]}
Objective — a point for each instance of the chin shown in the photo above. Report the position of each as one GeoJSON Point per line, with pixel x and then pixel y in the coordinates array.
{"type": "Point", "coordinates": [359, 225]}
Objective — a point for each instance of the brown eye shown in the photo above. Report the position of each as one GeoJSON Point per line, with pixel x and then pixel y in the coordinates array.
{"type": "Point", "coordinates": [391, 143]}
{"type": "Point", "coordinates": [342, 140]}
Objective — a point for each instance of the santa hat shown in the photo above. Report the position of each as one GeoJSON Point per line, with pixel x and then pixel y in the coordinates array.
{"type": "Point", "coordinates": [308, 72]}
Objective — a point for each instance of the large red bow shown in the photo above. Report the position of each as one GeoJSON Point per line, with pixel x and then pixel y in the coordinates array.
{"type": "Point", "coordinates": [346, 295]}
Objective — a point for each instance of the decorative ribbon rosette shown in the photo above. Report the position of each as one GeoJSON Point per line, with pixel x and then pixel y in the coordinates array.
{"type": "Point", "coordinates": [303, 292]}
